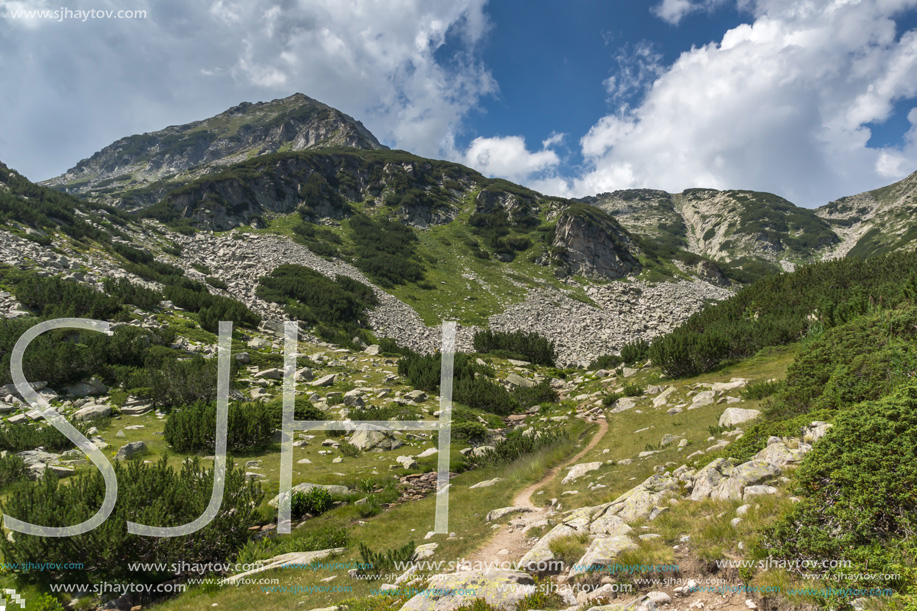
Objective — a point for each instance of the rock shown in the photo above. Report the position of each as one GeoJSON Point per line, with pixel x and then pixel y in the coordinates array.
{"type": "Point", "coordinates": [417, 396]}
{"type": "Point", "coordinates": [277, 562]}
{"type": "Point", "coordinates": [638, 502]}
{"type": "Point", "coordinates": [722, 479]}
{"type": "Point", "coordinates": [663, 398]}
{"type": "Point", "coordinates": [577, 471]}
{"type": "Point", "coordinates": [815, 431]}
{"type": "Point", "coordinates": [751, 491]}
{"type": "Point", "coordinates": [447, 592]}
{"type": "Point", "coordinates": [603, 550]}
{"type": "Point", "coordinates": [92, 412]}
{"type": "Point", "coordinates": [327, 380]}
{"type": "Point", "coordinates": [732, 385]}
{"type": "Point", "coordinates": [365, 439]}
{"type": "Point", "coordinates": [129, 451]}
{"type": "Point", "coordinates": [373, 350]}
{"type": "Point", "coordinates": [243, 358]}
{"type": "Point", "coordinates": [517, 380]}
{"type": "Point", "coordinates": [422, 552]}
{"type": "Point", "coordinates": [627, 372]}
{"type": "Point", "coordinates": [428, 452]}
{"type": "Point", "coordinates": [669, 439]}
{"type": "Point", "coordinates": [487, 483]}
{"type": "Point", "coordinates": [735, 415]}
{"type": "Point", "coordinates": [340, 490]}
{"type": "Point", "coordinates": [623, 404]}
{"type": "Point", "coordinates": [93, 387]}
{"type": "Point", "coordinates": [780, 455]}
{"type": "Point", "coordinates": [610, 525]}
{"type": "Point", "coordinates": [270, 374]}
{"type": "Point", "coordinates": [702, 399]}
{"type": "Point", "coordinates": [304, 374]}
{"type": "Point", "coordinates": [482, 450]}
{"type": "Point", "coordinates": [258, 343]}
{"type": "Point", "coordinates": [406, 462]}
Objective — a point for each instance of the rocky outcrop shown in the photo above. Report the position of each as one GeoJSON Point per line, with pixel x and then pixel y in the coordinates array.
{"type": "Point", "coordinates": [590, 243]}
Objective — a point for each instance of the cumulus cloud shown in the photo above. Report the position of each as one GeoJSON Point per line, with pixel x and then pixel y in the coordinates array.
{"type": "Point", "coordinates": [507, 157]}
{"type": "Point", "coordinates": [81, 85]}
{"type": "Point", "coordinates": [781, 104]}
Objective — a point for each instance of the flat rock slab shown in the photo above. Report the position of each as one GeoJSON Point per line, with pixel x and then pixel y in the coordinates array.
{"type": "Point", "coordinates": [277, 562]}
{"type": "Point", "coordinates": [487, 483]}
{"type": "Point", "coordinates": [502, 589]}
{"type": "Point", "coordinates": [92, 412]}
{"type": "Point", "coordinates": [577, 471]}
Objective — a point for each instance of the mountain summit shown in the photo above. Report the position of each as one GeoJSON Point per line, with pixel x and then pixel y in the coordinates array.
{"type": "Point", "coordinates": [183, 152]}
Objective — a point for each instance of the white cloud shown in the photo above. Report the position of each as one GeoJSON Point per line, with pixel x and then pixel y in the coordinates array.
{"type": "Point", "coordinates": [377, 60]}
{"type": "Point", "coordinates": [673, 11]}
{"type": "Point", "coordinates": [507, 157]}
{"type": "Point", "coordinates": [554, 138]}
{"type": "Point", "coordinates": [781, 104]}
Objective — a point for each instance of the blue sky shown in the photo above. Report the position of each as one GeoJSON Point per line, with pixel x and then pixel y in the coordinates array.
{"type": "Point", "coordinates": [810, 99]}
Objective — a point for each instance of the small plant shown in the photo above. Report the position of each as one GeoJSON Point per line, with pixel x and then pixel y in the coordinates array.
{"type": "Point", "coordinates": [609, 400]}
{"type": "Point", "coordinates": [760, 390]}
{"type": "Point", "coordinates": [716, 429]}
{"type": "Point", "coordinates": [652, 447]}
{"type": "Point", "coordinates": [633, 390]}
{"type": "Point", "coordinates": [315, 501]}
{"type": "Point", "coordinates": [348, 449]}
{"type": "Point", "coordinates": [569, 548]}
{"type": "Point", "coordinates": [382, 562]}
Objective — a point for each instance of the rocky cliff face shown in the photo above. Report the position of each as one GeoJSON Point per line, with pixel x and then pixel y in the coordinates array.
{"type": "Point", "coordinates": [591, 244]}
{"type": "Point", "coordinates": [180, 153]}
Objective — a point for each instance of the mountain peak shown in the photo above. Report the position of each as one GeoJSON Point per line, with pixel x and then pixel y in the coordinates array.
{"type": "Point", "coordinates": [294, 123]}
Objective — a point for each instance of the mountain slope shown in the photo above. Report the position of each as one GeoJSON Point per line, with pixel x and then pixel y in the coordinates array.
{"type": "Point", "coordinates": [180, 153]}
{"type": "Point", "coordinates": [747, 228]}
{"type": "Point", "coordinates": [875, 222]}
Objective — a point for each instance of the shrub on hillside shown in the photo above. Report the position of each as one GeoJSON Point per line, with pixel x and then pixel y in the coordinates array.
{"type": "Point", "coordinates": [517, 344]}
{"type": "Point", "coordinates": [785, 308]}
{"type": "Point", "coordinates": [53, 297]}
{"type": "Point", "coordinates": [606, 361]}
{"type": "Point", "coordinates": [193, 427]}
{"type": "Point", "coordinates": [329, 305]}
{"type": "Point", "coordinates": [302, 410]}
{"type": "Point", "coordinates": [12, 469]}
{"type": "Point", "coordinates": [181, 382]}
{"type": "Point", "coordinates": [634, 352]}
{"type": "Point", "coordinates": [314, 501]}
{"type": "Point", "coordinates": [126, 291]}
{"type": "Point", "coordinates": [385, 251]}
{"type": "Point", "coordinates": [858, 488]}
{"type": "Point", "coordinates": [152, 494]}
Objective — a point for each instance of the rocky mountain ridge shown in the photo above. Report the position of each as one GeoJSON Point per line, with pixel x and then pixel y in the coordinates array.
{"type": "Point", "coordinates": [181, 153]}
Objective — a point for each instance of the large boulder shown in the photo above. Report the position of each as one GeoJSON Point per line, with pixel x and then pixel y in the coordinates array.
{"type": "Point", "coordinates": [129, 451]}
{"type": "Point", "coordinates": [781, 455]}
{"type": "Point", "coordinates": [734, 416]}
{"type": "Point", "coordinates": [447, 592]}
{"type": "Point", "coordinates": [365, 439]}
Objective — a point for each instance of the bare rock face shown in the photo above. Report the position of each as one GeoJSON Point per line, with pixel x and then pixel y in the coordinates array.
{"type": "Point", "coordinates": [594, 245]}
